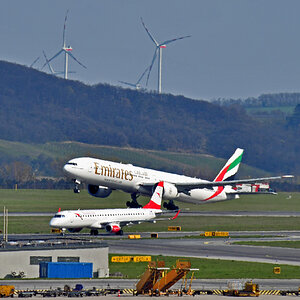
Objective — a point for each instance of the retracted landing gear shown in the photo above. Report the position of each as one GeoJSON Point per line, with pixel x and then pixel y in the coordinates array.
{"type": "Point", "coordinates": [133, 203]}
{"type": "Point", "coordinates": [170, 205]}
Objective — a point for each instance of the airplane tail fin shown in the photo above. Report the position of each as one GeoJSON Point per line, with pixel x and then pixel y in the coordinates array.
{"type": "Point", "coordinates": [155, 201]}
{"type": "Point", "coordinates": [231, 167]}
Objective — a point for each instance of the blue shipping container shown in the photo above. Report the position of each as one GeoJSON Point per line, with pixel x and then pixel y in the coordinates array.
{"type": "Point", "coordinates": [66, 270]}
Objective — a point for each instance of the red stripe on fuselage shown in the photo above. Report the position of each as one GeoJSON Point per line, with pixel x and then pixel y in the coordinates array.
{"type": "Point", "coordinates": [218, 192]}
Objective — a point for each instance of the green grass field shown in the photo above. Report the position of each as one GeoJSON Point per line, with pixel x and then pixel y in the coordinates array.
{"type": "Point", "coordinates": [211, 268]}
{"type": "Point", "coordinates": [285, 244]}
{"type": "Point", "coordinates": [51, 200]}
{"type": "Point", "coordinates": [285, 109]}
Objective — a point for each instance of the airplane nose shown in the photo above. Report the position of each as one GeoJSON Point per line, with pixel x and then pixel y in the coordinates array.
{"type": "Point", "coordinates": [52, 222]}
{"type": "Point", "coordinates": [66, 169]}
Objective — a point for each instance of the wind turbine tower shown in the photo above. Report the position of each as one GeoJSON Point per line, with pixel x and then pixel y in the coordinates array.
{"type": "Point", "coordinates": [158, 52]}
{"type": "Point", "coordinates": [66, 50]}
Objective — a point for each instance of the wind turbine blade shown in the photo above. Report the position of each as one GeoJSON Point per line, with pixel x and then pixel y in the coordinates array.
{"type": "Point", "coordinates": [77, 60]}
{"type": "Point", "coordinates": [141, 77]}
{"type": "Point", "coordinates": [59, 52]}
{"type": "Point", "coordinates": [150, 35]}
{"type": "Point", "coordinates": [150, 68]}
{"type": "Point", "coordinates": [64, 31]}
{"type": "Point", "coordinates": [173, 40]}
{"type": "Point", "coordinates": [127, 83]}
{"type": "Point", "coordinates": [47, 61]}
{"type": "Point", "coordinates": [34, 62]}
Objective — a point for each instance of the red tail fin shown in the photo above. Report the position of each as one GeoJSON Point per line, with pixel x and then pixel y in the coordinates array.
{"type": "Point", "coordinates": [155, 201]}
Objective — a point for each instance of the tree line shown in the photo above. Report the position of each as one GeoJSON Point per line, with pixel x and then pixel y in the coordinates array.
{"type": "Point", "coordinates": [38, 108]}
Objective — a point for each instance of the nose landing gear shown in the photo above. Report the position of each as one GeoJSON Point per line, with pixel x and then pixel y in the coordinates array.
{"type": "Point", "coordinates": [76, 188]}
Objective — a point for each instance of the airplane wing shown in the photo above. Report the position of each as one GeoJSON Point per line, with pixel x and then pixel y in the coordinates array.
{"type": "Point", "coordinates": [129, 223]}
{"type": "Point", "coordinates": [201, 184]}
{"type": "Point", "coordinates": [168, 212]}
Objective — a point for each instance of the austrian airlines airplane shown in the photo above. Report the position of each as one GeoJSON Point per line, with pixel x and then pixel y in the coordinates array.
{"type": "Point", "coordinates": [112, 220]}
{"type": "Point", "coordinates": [104, 176]}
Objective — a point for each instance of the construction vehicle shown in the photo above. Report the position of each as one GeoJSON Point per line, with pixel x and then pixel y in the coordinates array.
{"type": "Point", "coordinates": [7, 291]}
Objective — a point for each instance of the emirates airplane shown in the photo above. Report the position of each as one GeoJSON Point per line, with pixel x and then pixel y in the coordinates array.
{"type": "Point", "coordinates": [102, 177]}
{"type": "Point", "coordinates": [112, 220]}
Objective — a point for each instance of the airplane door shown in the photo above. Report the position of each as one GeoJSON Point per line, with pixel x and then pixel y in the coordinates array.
{"type": "Point", "coordinates": [90, 168]}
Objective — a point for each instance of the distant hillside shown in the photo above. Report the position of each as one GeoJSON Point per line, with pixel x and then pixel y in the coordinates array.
{"type": "Point", "coordinates": [40, 108]}
{"type": "Point", "coordinates": [47, 159]}
{"type": "Point", "coordinates": [266, 105]}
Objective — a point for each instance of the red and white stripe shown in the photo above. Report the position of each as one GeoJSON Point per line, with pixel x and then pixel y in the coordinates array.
{"type": "Point", "coordinates": [155, 201]}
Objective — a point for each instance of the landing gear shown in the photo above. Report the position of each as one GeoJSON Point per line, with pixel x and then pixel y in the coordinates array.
{"type": "Point", "coordinates": [133, 203]}
{"type": "Point", "coordinates": [120, 232]}
{"type": "Point", "coordinates": [170, 205]}
{"type": "Point", "coordinates": [94, 232]}
{"type": "Point", "coordinates": [76, 188]}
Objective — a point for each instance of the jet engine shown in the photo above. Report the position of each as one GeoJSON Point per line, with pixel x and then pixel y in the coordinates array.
{"type": "Point", "coordinates": [99, 191]}
{"type": "Point", "coordinates": [74, 230]}
{"type": "Point", "coordinates": [170, 191]}
{"type": "Point", "coordinates": [112, 228]}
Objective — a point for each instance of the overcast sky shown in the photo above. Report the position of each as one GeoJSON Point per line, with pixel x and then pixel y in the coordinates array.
{"type": "Point", "coordinates": [238, 48]}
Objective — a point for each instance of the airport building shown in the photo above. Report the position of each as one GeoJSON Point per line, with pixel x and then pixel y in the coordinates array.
{"type": "Point", "coordinates": [20, 259]}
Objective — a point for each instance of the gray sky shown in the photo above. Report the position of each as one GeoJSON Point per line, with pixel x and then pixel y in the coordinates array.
{"type": "Point", "coordinates": [238, 48]}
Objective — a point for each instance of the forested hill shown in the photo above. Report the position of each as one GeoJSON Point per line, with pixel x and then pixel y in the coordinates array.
{"type": "Point", "coordinates": [36, 108]}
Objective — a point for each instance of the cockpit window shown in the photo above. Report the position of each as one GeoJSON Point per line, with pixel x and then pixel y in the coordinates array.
{"type": "Point", "coordinates": [59, 216]}
{"type": "Point", "coordinates": [71, 163]}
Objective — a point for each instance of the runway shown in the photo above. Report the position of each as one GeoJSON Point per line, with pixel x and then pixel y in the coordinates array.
{"type": "Point", "coordinates": [292, 235]}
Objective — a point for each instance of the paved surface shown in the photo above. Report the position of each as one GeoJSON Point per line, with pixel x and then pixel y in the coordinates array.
{"type": "Point", "coordinates": [258, 235]}
{"type": "Point", "coordinates": [209, 284]}
{"type": "Point", "coordinates": [210, 297]}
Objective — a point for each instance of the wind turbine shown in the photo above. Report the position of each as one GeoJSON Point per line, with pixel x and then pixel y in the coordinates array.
{"type": "Point", "coordinates": [51, 68]}
{"type": "Point", "coordinates": [136, 85]}
{"type": "Point", "coordinates": [158, 51]}
{"type": "Point", "coordinates": [65, 49]}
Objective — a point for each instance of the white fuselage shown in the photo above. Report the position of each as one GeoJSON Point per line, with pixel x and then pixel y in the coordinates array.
{"type": "Point", "coordinates": [99, 218]}
{"type": "Point", "coordinates": [132, 179]}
